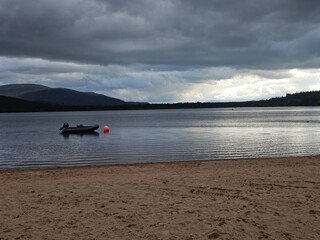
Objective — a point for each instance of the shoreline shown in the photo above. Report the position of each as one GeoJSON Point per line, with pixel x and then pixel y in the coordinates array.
{"type": "Point", "coordinates": [53, 168]}
{"type": "Point", "coordinates": [261, 198]}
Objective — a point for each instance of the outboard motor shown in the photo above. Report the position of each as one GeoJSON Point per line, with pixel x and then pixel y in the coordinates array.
{"type": "Point", "coordinates": [65, 125]}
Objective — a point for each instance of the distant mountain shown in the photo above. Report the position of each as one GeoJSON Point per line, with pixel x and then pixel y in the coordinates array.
{"type": "Point", "coordinates": [16, 90]}
{"type": "Point", "coordinates": [60, 96]}
{"type": "Point", "coordinates": [64, 96]}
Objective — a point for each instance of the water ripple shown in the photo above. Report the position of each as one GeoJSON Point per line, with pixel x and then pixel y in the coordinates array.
{"type": "Point", "coordinates": [30, 140]}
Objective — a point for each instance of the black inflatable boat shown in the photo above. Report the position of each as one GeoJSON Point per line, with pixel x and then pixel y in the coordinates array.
{"type": "Point", "coordinates": [78, 129]}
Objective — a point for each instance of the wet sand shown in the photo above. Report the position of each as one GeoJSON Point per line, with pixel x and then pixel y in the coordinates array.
{"type": "Point", "coordinates": [231, 199]}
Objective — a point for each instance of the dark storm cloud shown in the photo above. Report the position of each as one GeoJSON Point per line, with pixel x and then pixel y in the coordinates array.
{"type": "Point", "coordinates": [252, 33]}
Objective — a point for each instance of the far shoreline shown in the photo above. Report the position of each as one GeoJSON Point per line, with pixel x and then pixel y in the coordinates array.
{"type": "Point", "coordinates": [14, 104]}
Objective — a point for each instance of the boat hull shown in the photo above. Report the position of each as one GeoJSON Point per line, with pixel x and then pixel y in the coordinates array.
{"type": "Point", "coordinates": [80, 129]}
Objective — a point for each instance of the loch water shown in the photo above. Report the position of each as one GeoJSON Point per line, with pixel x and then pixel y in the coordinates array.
{"type": "Point", "coordinates": [32, 140]}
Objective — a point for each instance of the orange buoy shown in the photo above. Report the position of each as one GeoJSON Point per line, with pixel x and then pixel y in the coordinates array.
{"type": "Point", "coordinates": [106, 129]}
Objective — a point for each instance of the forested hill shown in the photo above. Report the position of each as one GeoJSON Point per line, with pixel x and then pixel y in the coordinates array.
{"type": "Point", "coordinates": [296, 99]}
{"type": "Point", "coordinates": [11, 104]}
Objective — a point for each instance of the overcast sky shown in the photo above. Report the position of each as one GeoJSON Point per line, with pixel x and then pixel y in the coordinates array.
{"type": "Point", "coordinates": [163, 51]}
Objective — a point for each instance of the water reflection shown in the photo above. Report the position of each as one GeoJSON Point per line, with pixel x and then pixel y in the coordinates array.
{"type": "Point", "coordinates": [32, 139]}
{"type": "Point", "coordinates": [67, 135]}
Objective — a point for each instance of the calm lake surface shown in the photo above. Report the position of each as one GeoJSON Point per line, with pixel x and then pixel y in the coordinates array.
{"type": "Point", "coordinates": [32, 140]}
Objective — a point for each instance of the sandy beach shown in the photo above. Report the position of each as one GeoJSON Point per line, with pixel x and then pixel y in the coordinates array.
{"type": "Point", "coordinates": [229, 199]}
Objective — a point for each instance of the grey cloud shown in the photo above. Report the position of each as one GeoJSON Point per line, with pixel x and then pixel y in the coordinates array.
{"type": "Point", "coordinates": [250, 33]}
{"type": "Point", "coordinates": [159, 83]}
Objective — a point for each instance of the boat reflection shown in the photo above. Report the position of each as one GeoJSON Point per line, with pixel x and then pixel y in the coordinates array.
{"type": "Point", "coordinates": [67, 135]}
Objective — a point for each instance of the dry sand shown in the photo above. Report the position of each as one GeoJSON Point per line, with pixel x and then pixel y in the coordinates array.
{"type": "Point", "coordinates": [230, 199]}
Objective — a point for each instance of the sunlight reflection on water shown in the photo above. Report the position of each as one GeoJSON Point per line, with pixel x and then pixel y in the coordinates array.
{"type": "Point", "coordinates": [33, 140]}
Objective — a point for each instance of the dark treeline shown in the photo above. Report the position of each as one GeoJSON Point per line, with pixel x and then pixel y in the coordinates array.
{"type": "Point", "coordinates": [9, 104]}
{"type": "Point", "coordinates": [311, 98]}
